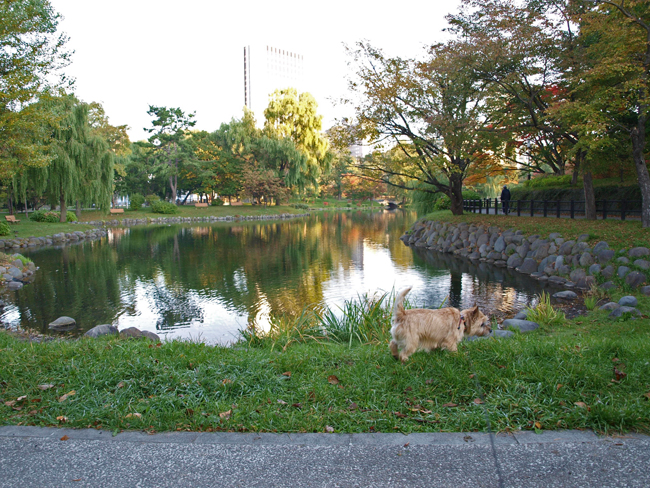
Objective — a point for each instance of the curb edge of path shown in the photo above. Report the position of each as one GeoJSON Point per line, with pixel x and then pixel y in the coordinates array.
{"type": "Point", "coordinates": [270, 439]}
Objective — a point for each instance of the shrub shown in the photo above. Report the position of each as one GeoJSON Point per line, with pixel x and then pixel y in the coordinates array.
{"type": "Point", "coordinates": [300, 206]}
{"type": "Point", "coordinates": [136, 202]}
{"type": "Point", "coordinates": [151, 199]}
{"type": "Point", "coordinates": [217, 202]}
{"type": "Point", "coordinates": [51, 216]}
{"type": "Point", "coordinates": [544, 313]}
{"type": "Point", "coordinates": [4, 229]}
{"type": "Point", "coordinates": [164, 207]}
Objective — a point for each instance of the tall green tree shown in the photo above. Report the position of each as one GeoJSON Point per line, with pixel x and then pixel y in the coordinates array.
{"type": "Point", "coordinates": [31, 54]}
{"type": "Point", "coordinates": [295, 116]}
{"type": "Point", "coordinates": [169, 137]}
{"type": "Point", "coordinates": [612, 95]}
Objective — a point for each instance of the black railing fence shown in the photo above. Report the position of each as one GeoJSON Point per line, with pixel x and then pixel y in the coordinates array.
{"type": "Point", "coordinates": [556, 208]}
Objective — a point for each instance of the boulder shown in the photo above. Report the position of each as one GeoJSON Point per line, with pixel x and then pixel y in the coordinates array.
{"type": "Point", "coordinates": [610, 306]}
{"type": "Point", "coordinates": [628, 301]}
{"type": "Point", "coordinates": [645, 290]}
{"type": "Point", "coordinates": [583, 237]}
{"type": "Point", "coordinates": [521, 315]}
{"type": "Point", "coordinates": [101, 330]}
{"type": "Point", "coordinates": [594, 269]}
{"type": "Point", "coordinates": [607, 272]}
{"type": "Point", "coordinates": [586, 282]}
{"type": "Point", "coordinates": [528, 266]}
{"type": "Point", "coordinates": [586, 259]}
{"type": "Point", "coordinates": [514, 261]}
{"type": "Point", "coordinates": [566, 295]}
{"type": "Point", "coordinates": [554, 235]}
{"type": "Point", "coordinates": [622, 260]}
{"type": "Point", "coordinates": [642, 263]}
{"type": "Point", "coordinates": [564, 270]}
{"type": "Point", "coordinates": [605, 256]}
{"type": "Point", "coordinates": [622, 271]}
{"type": "Point", "coordinates": [635, 279]}
{"type": "Point", "coordinates": [500, 244]}
{"type": "Point", "coordinates": [501, 334]}
{"type": "Point", "coordinates": [63, 324]}
{"type": "Point", "coordinates": [521, 325]}
{"type": "Point", "coordinates": [14, 285]}
{"type": "Point", "coordinates": [565, 249]}
{"type": "Point", "coordinates": [608, 285]}
{"type": "Point", "coordinates": [131, 333]}
{"type": "Point", "coordinates": [621, 310]}
{"type": "Point", "coordinates": [556, 280]}
{"type": "Point", "coordinates": [577, 274]}
{"type": "Point", "coordinates": [638, 252]}
{"type": "Point", "coordinates": [601, 246]}
{"type": "Point", "coordinates": [150, 335]}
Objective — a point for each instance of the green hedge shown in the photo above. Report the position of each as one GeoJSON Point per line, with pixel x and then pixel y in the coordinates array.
{"type": "Point", "coordinates": [632, 193]}
{"type": "Point", "coordinates": [51, 216]}
{"type": "Point", "coordinates": [4, 229]}
{"type": "Point", "coordinates": [164, 207]}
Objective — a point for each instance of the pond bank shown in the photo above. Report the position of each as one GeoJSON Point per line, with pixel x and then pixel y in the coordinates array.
{"type": "Point", "coordinates": [555, 260]}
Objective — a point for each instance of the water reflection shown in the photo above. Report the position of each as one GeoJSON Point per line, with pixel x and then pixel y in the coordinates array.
{"type": "Point", "coordinates": [209, 281]}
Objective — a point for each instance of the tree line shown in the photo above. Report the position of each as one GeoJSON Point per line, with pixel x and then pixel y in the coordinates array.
{"type": "Point", "coordinates": [521, 86]}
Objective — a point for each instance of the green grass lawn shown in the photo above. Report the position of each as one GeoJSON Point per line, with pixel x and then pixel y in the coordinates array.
{"type": "Point", "coordinates": [618, 234]}
{"type": "Point", "coordinates": [589, 373]}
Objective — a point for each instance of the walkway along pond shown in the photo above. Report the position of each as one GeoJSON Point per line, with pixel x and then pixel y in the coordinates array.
{"type": "Point", "coordinates": [207, 281]}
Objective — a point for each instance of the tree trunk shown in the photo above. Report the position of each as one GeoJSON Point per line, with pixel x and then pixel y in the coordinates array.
{"type": "Point", "coordinates": [26, 211]}
{"type": "Point", "coordinates": [576, 170]}
{"type": "Point", "coordinates": [77, 210]}
{"type": "Point", "coordinates": [64, 209]}
{"type": "Point", "coordinates": [456, 194]}
{"type": "Point", "coordinates": [638, 147]}
{"type": "Point", "coordinates": [172, 186]}
{"type": "Point", "coordinates": [10, 205]}
{"type": "Point", "coordinates": [590, 199]}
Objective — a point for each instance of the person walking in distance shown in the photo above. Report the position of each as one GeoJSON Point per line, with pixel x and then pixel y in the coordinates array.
{"type": "Point", "coordinates": [505, 199]}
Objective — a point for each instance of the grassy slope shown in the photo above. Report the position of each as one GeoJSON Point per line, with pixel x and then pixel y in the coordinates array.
{"type": "Point", "coordinates": [553, 378]}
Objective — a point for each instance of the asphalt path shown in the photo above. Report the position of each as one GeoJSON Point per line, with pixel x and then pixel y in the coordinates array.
{"type": "Point", "coordinates": [38, 457]}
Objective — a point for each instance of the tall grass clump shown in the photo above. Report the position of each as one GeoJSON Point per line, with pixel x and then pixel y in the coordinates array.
{"type": "Point", "coordinates": [544, 313]}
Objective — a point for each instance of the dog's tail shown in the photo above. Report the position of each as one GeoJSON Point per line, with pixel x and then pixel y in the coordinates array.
{"type": "Point", "coordinates": [398, 311]}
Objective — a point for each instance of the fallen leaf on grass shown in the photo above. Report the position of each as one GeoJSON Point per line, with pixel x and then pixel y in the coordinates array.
{"type": "Point", "coordinates": [282, 402]}
{"type": "Point", "coordinates": [353, 406]}
{"type": "Point", "coordinates": [226, 381]}
{"type": "Point", "coordinates": [136, 415]}
{"type": "Point", "coordinates": [296, 405]}
{"type": "Point", "coordinates": [559, 385]}
{"type": "Point", "coordinates": [428, 382]}
{"type": "Point", "coordinates": [21, 398]}
{"type": "Point", "coordinates": [478, 401]}
{"type": "Point", "coordinates": [225, 415]}
{"type": "Point", "coordinates": [45, 387]}
{"type": "Point", "coordinates": [287, 374]}
{"type": "Point", "coordinates": [471, 376]}
{"type": "Point", "coordinates": [580, 404]}
{"type": "Point", "coordinates": [538, 425]}
{"type": "Point", "coordinates": [450, 405]}
{"type": "Point", "coordinates": [65, 438]}
{"type": "Point", "coordinates": [10, 403]}
{"type": "Point", "coordinates": [329, 429]}
{"type": "Point", "coordinates": [120, 384]}
{"type": "Point", "coordinates": [333, 380]}
{"type": "Point", "coordinates": [65, 397]}
{"type": "Point", "coordinates": [62, 418]}
{"type": "Point", "coordinates": [647, 395]}
{"type": "Point", "coordinates": [619, 374]}
{"type": "Point", "coordinates": [400, 415]}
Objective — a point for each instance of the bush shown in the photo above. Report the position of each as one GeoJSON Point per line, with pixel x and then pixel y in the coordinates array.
{"type": "Point", "coordinates": [4, 229]}
{"type": "Point", "coordinates": [136, 202]}
{"type": "Point", "coordinates": [424, 202]}
{"type": "Point", "coordinates": [151, 199]}
{"type": "Point", "coordinates": [164, 207]}
{"type": "Point", "coordinates": [217, 202]}
{"type": "Point", "coordinates": [51, 216]}
{"type": "Point", "coordinates": [302, 206]}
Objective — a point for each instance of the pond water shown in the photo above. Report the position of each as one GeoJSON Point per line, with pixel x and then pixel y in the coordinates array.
{"type": "Point", "coordinates": [208, 281]}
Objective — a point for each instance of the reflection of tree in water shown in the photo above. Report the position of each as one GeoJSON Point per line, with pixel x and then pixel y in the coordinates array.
{"type": "Point", "coordinates": [491, 287]}
{"type": "Point", "coordinates": [175, 307]}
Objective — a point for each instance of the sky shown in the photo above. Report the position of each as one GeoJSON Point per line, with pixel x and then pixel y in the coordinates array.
{"type": "Point", "coordinates": [189, 54]}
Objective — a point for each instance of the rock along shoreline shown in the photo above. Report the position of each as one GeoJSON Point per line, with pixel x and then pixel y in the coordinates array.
{"type": "Point", "coordinates": [558, 261]}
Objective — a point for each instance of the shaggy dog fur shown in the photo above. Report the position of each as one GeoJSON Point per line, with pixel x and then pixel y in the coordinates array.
{"type": "Point", "coordinates": [426, 329]}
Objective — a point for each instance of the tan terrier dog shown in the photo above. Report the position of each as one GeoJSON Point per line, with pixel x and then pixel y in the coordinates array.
{"type": "Point", "coordinates": [426, 329]}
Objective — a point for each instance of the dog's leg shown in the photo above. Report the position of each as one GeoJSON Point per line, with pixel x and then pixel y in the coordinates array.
{"type": "Point", "coordinates": [393, 349]}
{"type": "Point", "coordinates": [407, 351]}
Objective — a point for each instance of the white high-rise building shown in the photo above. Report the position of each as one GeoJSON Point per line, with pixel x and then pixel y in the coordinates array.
{"type": "Point", "coordinates": [267, 69]}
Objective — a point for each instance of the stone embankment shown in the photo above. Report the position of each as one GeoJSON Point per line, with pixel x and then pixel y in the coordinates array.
{"type": "Point", "coordinates": [15, 274]}
{"type": "Point", "coordinates": [54, 239]}
{"type": "Point", "coordinates": [558, 261]}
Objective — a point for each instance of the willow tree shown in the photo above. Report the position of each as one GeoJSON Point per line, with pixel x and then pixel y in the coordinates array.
{"type": "Point", "coordinates": [82, 163]}
{"type": "Point", "coordinates": [294, 116]}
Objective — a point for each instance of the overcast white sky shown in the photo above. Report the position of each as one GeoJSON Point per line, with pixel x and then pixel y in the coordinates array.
{"type": "Point", "coordinates": [189, 54]}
